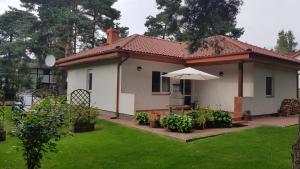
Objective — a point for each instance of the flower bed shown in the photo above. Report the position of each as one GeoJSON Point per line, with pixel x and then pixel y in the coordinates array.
{"type": "Point", "coordinates": [207, 118]}
{"type": "Point", "coordinates": [195, 119]}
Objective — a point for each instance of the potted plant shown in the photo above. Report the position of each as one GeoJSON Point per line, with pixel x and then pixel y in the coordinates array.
{"type": "Point", "coordinates": [83, 118]}
{"type": "Point", "coordinates": [154, 120]}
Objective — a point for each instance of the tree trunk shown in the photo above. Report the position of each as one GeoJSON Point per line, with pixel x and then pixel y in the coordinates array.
{"type": "Point", "coordinates": [296, 151]}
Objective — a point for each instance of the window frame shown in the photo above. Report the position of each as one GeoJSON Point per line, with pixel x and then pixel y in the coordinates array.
{"type": "Point", "coordinates": [161, 92]}
{"type": "Point", "coordinates": [272, 86]}
{"type": "Point", "coordinates": [89, 80]}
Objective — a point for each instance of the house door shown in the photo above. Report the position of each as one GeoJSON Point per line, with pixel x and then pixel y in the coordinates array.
{"type": "Point", "coordinates": [186, 90]}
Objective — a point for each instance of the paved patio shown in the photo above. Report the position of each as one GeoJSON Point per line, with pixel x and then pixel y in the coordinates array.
{"type": "Point", "coordinates": [200, 134]}
{"type": "Point", "coordinates": [276, 121]}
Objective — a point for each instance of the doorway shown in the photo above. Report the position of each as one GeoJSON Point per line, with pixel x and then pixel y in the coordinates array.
{"type": "Point", "coordinates": [186, 90]}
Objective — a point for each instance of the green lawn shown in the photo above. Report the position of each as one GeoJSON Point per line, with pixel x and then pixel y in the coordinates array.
{"type": "Point", "coordinates": [115, 147]}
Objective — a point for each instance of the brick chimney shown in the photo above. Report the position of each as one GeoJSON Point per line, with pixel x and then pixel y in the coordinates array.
{"type": "Point", "coordinates": [112, 35]}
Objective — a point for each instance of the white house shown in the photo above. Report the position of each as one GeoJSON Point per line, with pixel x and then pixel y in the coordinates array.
{"type": "Point", "coordinates": [124, 75]}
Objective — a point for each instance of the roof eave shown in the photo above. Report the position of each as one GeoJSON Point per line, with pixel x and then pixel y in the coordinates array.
{"type": "Point", "coordinates": [102, 57]}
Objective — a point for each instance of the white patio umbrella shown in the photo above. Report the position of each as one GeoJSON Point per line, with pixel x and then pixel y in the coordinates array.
{"type": "Point", "coordinates": [190, 74]}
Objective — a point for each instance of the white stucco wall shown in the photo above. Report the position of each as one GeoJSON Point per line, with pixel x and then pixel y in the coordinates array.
{"type": "Point", "coordinates": [284, 88]}
{"type": "Point", "coordinates": [103, 94]}
{"type": "Point", "coordinates": [139, 83]}
{"type": "Point", "coordinates": [220, 93]}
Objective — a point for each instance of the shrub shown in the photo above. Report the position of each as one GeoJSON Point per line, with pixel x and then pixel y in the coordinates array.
{"type": "Point", "coordinates": [211, 118]}
{"type": "Point", "coordinates": [142, 118]}
{"type": "Point", "coordinates": [202, 117]}
{"type": "Point", "coordinates": [2, 96]}
{"type": "Point", "coordinates": [180, 123]}
{"type": "Point", "coordinates": [80, 114]}
{"type": "Point", "coordinates": [39, 129]}
{"type": "Point", "coordinates": [222, 119]}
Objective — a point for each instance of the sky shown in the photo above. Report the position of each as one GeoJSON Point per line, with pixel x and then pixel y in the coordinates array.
{"type": "Point", "coordinates": [261, 19]}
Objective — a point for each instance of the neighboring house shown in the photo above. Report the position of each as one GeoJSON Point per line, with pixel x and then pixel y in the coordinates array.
{"type": "Point", "coordinates": [124, 75]}
{"type": "Point", "coordinates": [42, 77]}
{"type": "Point", "coordinates": [297, 56]}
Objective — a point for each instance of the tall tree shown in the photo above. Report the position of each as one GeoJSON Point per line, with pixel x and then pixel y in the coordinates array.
{"type": "Point", "coordinates": [68, 26]}
{"type": "Point", "coordinates": [286, 42]}
{"type": "Point", "coordinates": [71, 25]}
{"type": "Point", "coordinates": [16, 48]}
{"type": "Point", "coordinates": [166, 23]}
{"type": "Point", "coordinates": [195, 20]}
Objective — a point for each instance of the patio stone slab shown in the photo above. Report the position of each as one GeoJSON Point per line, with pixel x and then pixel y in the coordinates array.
{"type": "Point", "coordinates": [276, 121]}
{"type": "Point", "coordinates": [185, 137]}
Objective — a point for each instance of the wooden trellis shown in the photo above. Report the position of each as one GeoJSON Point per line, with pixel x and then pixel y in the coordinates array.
{"type": "Point", "coordinates": [81, 97]}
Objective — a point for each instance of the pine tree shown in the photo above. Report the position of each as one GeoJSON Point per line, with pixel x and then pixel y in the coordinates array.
{"type": "Point", "coordinates": [195, 20]}
{"type": "Point", "coordinates": [286, 42]}
{"type": "Point", "coordinates": [16, 48]}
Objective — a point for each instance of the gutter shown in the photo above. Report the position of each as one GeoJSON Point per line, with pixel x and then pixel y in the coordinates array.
{"type": "Point", "coordinates": [118, 87]}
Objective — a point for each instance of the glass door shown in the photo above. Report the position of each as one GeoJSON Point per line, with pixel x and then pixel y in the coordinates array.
{"type": "Point", "coordinates": [186, 90]}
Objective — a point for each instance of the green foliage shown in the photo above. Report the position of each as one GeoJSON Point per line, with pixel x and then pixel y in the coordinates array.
{"type": "Point", "coordinates": [142, 118]}
{"type": "Point", "coordinates": [194, 20]}
{"type": "Point", "coordinates": [80, 114]}
{"type": "Point", "coordinates": [217, 118]}
{"type": "Point", "coordinates": [180, 123]}
{"type": "Point", "coordinates": [222, 119]}
{"type": "Point", "coordinates": [17, 45]}
{"type": "Point", "coordinates": [1, 96]}
{"type": "Point", "coordinates": [39, 129]}
{"type": "Point", "coordinates": [286, 42]}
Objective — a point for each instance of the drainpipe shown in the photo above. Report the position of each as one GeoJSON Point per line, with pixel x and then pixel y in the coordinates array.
{"type": "Point", "coordinates": [118, 87]}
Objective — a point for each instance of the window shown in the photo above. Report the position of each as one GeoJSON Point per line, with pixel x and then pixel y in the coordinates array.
{"type": "Point", "coordinates": [165, 84]}
{"type": "Point", "coordinates": [46, 72]}
{"type": "Point", "coordinates": [155, 81]}
{"type": "Point", "coordinates": [90, 80]}
{"type": "Point", "coordinates": [186, 90]}
{"type": "Point", "coordinates": [269, 86]}
{"type": "Point", "coordinates": [160, 84]}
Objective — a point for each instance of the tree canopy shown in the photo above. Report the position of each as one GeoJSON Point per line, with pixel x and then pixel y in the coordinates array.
{"type": "Point", "coordinates": [195, 20]}
{"type": "Point", "coordinates": [16, 47]}
{"type": "Point", "coordinates": [72, 25]}
{"type": "Point", "coordinates": [286, 42]}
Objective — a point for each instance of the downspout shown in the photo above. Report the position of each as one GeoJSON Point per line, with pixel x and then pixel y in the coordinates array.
{"type": "Point", "coordinates": [118, 87]}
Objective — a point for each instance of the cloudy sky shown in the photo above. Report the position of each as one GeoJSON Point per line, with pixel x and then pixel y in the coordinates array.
{"type": "Point", "coordinates": [262, 19]}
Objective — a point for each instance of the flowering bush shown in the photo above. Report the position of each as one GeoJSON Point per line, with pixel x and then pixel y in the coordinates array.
{"type": "Point", "coordinates": [179, 123]}
{"type": "Point", "coordinates": [142, 118]}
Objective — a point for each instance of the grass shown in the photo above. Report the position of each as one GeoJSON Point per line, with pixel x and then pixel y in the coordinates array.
{"type": "Point", "coordinates": [116, 146]}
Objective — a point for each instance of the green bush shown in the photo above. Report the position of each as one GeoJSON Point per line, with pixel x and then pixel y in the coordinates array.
{"type": "Point", "coordinates": [180, 123]}
{"type": "Point", "coordinates": [39, 129]}
{"type": "Point", "coordinates": [201, 117]}
{"type": "Point", "coordinates": [142, 118]}
{"type": "Point", "coordinates": [222, 119]}
{"type": "Point", "coordinates": [210, 118]}
{"type": "Point", "coordinates": [80, 114]}
{"type": "Point", "coordinates": [1, 96]}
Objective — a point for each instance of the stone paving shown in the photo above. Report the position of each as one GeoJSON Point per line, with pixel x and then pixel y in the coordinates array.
{"type": "Point", "coordinates": [200, 134]}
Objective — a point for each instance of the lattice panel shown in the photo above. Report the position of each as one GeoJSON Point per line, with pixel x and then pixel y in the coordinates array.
{"type": "Point", "coordinates": [80, 97]}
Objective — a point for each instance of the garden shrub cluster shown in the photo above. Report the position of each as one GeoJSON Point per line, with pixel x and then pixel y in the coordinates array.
{"type": "Point", "coordinates": [179, 123]}
{"type": "Point", "coordinates": [80, 114]}
{"type": "Point", "coordinates": [207, 118]}
{"type": "Point", "coordinates": [142, 118]}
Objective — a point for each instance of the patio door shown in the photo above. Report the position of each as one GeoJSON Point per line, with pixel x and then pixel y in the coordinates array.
{"type": "Point", "coordinates": [186, 90]}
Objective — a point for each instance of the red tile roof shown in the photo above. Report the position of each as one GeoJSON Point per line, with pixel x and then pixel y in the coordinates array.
{"type": "Point", "coordinates": [294, 54]}
{"type": "Point", "coordinates": [151, 45]}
